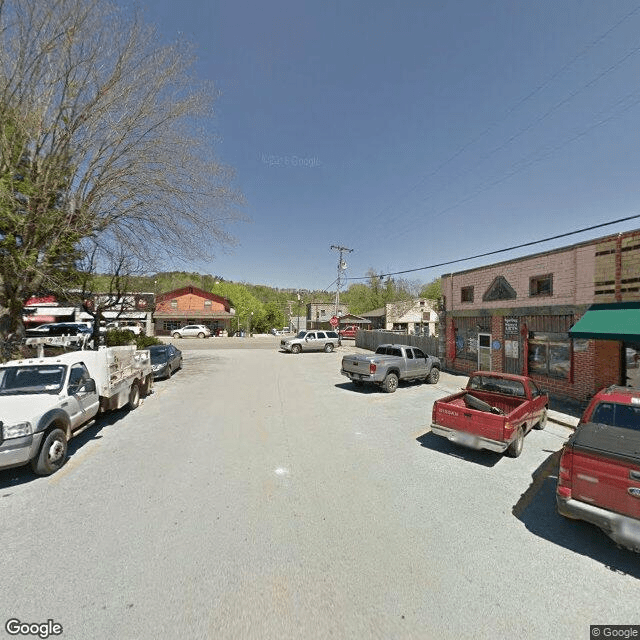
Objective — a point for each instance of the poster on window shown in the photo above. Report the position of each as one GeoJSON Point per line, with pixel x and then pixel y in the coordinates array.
{"type": "Point", "coordinates": [511, 348]}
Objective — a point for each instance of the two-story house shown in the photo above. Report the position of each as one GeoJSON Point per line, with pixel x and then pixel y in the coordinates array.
{"type": "Point", "coordinates": [190, 305]}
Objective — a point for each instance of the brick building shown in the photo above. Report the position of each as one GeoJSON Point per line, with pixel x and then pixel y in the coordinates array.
{"type": "Point", "coordinates": [522, 316]}
{"type": "Point", "coordinates": [190, 305]}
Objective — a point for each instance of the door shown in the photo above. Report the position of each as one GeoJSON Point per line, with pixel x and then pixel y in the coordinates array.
{"type": "Point", "coordinates": [484, 352]}
{"type": "Point", "coordinates": [82, 405]}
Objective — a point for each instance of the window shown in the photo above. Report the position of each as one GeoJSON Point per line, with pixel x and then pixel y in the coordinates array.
{"type": "Point", "coordinates": [207, 303]}
{"type": "Point", "coordinates": [550, 355]}
{"type": "Point", "coordinates": [418, 353]}
{"type": "Point", "coordinates": [409, 354]}
{"type": "Point", "coordinates": [617, 415]}
{"type": "Point", "coordinates": [541, 285]}
{"type": "Point", "coordinates": [466, 294]}
{"type": "Point", "coordinates": [174, 304]}
{"type": "Point", "coordinates": [321, 335]}
{"type": "Point", "coordinates": [170, 325]}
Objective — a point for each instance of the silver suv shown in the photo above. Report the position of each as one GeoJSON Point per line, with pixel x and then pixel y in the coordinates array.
{"type": "Point", "coordinates": [194, 330]}
{"type": "Point", "coordinates": [314, 340]}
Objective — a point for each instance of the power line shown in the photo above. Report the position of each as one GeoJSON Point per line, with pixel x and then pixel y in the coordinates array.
{"type": "Point", "coordinates": [491, 253]}
{"type": "Point", "coordinates": [525, 99]}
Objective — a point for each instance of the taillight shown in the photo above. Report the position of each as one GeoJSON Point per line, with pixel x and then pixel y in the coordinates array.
{"type": "Point", "coordinates": [508, 426]}
{"type": "Point", "coordinates": [564, 473]}
{"type": "Point", "coordinates": [372, 367]}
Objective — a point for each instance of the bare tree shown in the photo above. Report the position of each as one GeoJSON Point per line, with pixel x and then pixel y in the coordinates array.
{"type": "Point", "coordinates": [101, 139]}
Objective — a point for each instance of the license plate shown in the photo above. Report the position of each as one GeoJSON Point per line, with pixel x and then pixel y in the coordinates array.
{"type": "Point", "coordinates": [466, 439]}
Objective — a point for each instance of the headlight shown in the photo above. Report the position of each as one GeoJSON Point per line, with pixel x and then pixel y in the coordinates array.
{"type": "Point", "coordinates": [16, 430]}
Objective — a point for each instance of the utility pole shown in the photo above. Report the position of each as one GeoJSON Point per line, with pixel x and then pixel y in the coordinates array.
{"type": "Point", "coordinates": [342, 266]}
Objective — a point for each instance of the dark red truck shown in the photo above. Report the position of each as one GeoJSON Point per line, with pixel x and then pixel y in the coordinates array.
{"type": "Point", "coordinates": [599, 474]}
{"type": "Point", "coordinates": [494, 412]}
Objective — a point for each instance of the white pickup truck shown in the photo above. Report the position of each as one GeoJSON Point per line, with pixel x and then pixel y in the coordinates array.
{"type": "Point", "coordinates": [45, 401]}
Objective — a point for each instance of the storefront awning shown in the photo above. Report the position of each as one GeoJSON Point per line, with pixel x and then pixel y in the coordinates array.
{"type": "Point", "coordinates": [618, 321]}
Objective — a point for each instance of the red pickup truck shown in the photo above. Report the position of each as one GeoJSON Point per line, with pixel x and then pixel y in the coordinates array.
{"type": "Point", "coordinates": [348, 332]}
{"type": "Point", "coordinates": [599, 474]}
{"type": "Point", "coordinates": [495, 412]}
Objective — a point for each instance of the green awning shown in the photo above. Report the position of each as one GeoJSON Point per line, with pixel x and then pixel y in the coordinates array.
{"type": "Point", "coordinates": [617, 321]}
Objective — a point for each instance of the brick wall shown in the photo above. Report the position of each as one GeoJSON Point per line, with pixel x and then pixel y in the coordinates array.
{"type": "Point", "coordinates": [189, 303]}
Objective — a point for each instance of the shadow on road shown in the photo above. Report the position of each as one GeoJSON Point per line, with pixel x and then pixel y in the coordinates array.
{"type": "Point", "coordinates": [442, 445]}
{"type": "Point", "coordinates": [536, 509]}
{"type": "Point", "coordinates": [22, 475]}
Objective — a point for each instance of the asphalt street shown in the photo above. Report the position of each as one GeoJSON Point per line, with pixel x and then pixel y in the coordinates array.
{"type": "Point", "coordinates": [259, 494]}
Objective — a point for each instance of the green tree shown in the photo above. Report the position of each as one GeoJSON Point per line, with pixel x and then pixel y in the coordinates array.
{"type": "Point", "coordinates": [433, 290]}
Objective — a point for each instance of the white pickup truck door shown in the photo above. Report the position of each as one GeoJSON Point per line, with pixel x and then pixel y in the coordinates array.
{"type": "Point", "coordinates": [82, 405]}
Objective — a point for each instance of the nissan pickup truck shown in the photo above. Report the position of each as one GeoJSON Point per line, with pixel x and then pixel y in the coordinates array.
{"type": "Point", "coordinates": [45, 401]}
{"type": "Point", "coordinates": [495, 411]}
{"type": "Point", "coordinates": [389, 364]}
{"type": "Point", "coordinates": [599, 474]}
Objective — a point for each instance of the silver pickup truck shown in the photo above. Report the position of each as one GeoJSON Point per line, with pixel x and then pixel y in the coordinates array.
{"type": "Point", "coordinates": [390, 364]}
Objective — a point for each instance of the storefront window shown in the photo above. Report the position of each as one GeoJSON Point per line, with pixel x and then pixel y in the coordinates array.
{"type": "Point", "coordinates": [550, 354]}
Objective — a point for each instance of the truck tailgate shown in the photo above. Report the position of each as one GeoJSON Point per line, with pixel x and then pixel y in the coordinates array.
{"type": "Point", "coordinates": [453, 413]}
{"type": "Point", "coordinates": [606, 468]}
{"type": "Point", "coordinates": [356, 364]}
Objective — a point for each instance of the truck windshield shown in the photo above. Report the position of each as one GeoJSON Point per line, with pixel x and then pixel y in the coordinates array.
{"type": "Point", "coordinates": [31, 379]}
{"type": "Point", "coordinates": [497, 385]}
{"type": "Point", "coordinates": [617, 415]}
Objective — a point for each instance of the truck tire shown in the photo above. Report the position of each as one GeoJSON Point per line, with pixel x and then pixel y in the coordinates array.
{"type": "Point", "coordinates": [390, 383]}
{"type": "Point", "coordinates": [328, 348]}
{"type": "Point", "coordinates": [296, 348]}
{"type": "Point", "coordinates": [134, 397]}
{"type": "Point", "coordinates": [148, 385]}
{"type": "Point", "coordinates": [515, 448]}
{"type": "Point", "coordinates": [475, 403]}
{"type": "Point", "coordinates": [52, 454]}
{"type": "Point", "coordinates": [434, 375]}
{"type": "Point", "coordinates": [542, 423]}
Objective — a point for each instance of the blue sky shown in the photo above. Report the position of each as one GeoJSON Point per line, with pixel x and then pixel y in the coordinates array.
{"type": "Point", "coordinates": [415, 132]}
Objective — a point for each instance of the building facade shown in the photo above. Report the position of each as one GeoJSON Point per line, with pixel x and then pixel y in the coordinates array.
{"type": "Point", "coordinates": [190, 305]}
{"type": "Point", "coordinates": [516, 316]}
{"type": "Point", "coordinates": [418, 317]}
{"type": "Point", "coordinates": [319, 314]}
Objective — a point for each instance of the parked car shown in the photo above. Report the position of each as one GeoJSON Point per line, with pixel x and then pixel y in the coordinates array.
{"type": "Point", "coordinates": [599, 474]}
{"type": "Point", "coordinates": [494, 412]}
{"type": "Point", "coordinates": [165, 359]}
{"type": "Point", "coordinates": [348, 332]}
{"type": "Point", "coordinates": [311, 341]}
{"type": "Point", "coordinates": [390, 364]}
{"type": "Point", "coordinates": [125, 325]}
{"type": "Point", "coordinates": [192, 331]}
{"type": "Point", "coordinates": [59, 329]}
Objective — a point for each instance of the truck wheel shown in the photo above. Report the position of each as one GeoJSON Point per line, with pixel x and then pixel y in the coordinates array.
{"type": "Point", "coordinates": [177, 335]}
{"type": "Point", "coordinates": [434, 375]}
{"type": "Point", "coordinates": [52, 455]}
{"type": "Point", "coordinates": [296, 348]}
{"type": "Point", "coordinates": [134, 397]}
{"type": "Point", "coordinates": [390, 383]}
{"type": "Point", "coordinates": [148, 385]}
{"type": "Point", "coordinates": [515, 448]}
{"type": "Point", "coordinates": [542, 423]}
{"type": "Point", "coordinates": [328, 348]}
